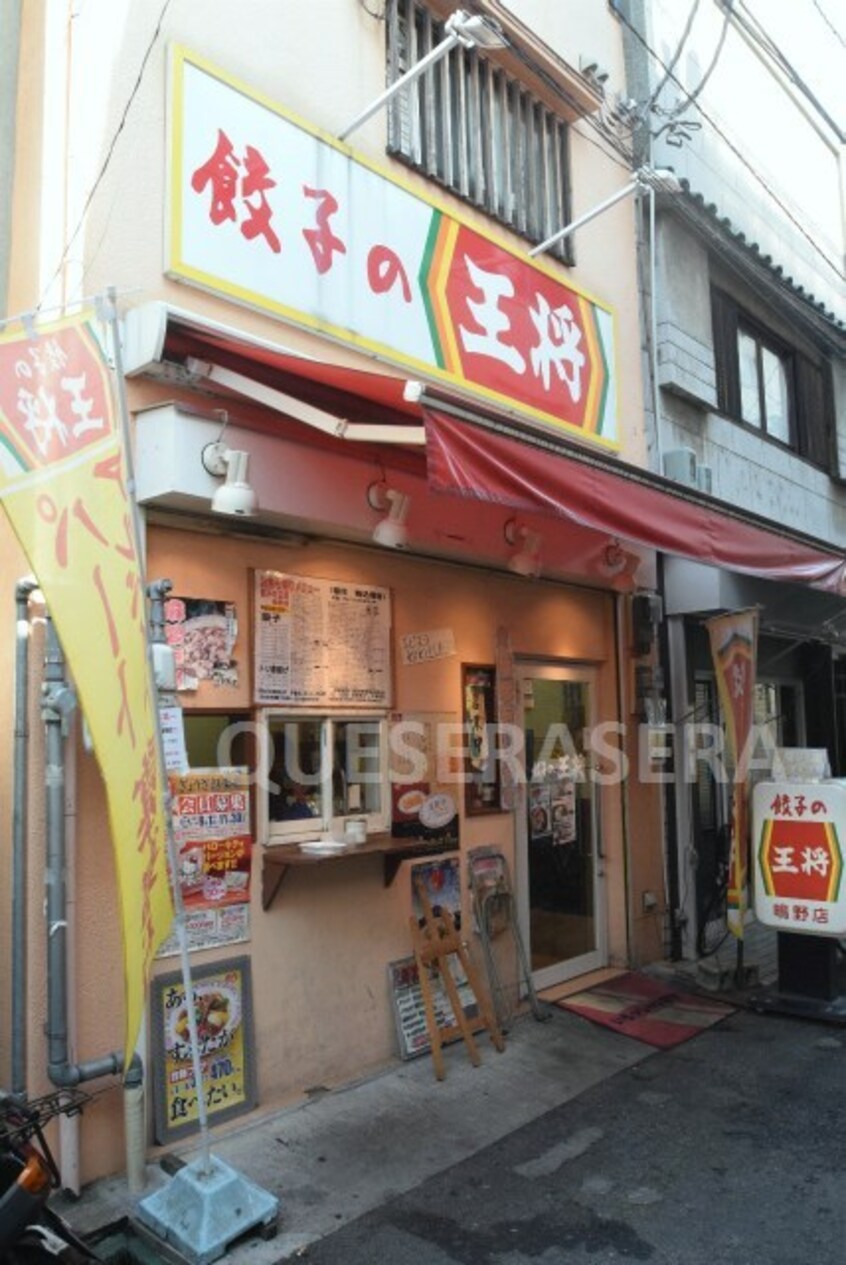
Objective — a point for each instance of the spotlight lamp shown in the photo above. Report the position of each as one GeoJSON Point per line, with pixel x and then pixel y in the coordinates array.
{"type": "Point", "coordinates": [235, 495]}
{"type": "Point", "coordinates": [526, 558]}
{"type": "Point", "coordinates": [390, 531]}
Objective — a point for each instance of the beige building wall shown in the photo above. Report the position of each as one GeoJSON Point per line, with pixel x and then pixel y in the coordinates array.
{"type": "Point", "coordinates": [317, 1020]}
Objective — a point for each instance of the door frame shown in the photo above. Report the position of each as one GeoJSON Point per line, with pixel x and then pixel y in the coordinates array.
{"type": "Point", "coordinates": [567, 968]}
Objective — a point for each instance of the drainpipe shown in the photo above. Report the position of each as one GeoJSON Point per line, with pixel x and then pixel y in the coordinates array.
{"type": "Point", "coordinates": [58, 703]}
{"type": "Point", "coordinates": [23, 591]}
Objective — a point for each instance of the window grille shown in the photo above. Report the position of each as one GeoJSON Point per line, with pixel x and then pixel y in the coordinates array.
{"type": "Point", "coordinates": [477, 131]}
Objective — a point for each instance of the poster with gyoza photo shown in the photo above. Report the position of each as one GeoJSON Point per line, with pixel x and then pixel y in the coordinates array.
{"type": "Point", "coordinates": [202, 633]}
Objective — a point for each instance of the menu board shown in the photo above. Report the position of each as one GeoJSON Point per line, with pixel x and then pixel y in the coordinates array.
{"type": "Point", "coordinates": [321, 642]}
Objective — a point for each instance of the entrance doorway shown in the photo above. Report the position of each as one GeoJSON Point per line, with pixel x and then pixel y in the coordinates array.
{"type": "Point", "coordinates": [559, 847]}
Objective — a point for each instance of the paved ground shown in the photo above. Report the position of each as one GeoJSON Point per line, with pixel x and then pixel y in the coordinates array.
{"type": "Point", "coordinates": [575, 1145]}
{"type": "Point", "coordinates": [730, 1148]}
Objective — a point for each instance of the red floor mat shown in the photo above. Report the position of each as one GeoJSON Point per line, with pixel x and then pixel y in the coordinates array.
{"type": "Point", "coordinates": [646, 1009]}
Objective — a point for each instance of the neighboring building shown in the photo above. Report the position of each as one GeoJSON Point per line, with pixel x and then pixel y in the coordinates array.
{"type": "Point", "coordinates": [751, 362]}
{"type": "Point", "coordinates": [363, 320]}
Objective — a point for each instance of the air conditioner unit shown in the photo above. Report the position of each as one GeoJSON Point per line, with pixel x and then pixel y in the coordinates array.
{"type": "Point", "coordinates": [680, 465]}
{"type": "Point", "coordinates": [705, 479]}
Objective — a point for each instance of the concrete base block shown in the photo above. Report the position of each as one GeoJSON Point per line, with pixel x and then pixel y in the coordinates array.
{"type": "Point", "coordinates": [202, 1210]}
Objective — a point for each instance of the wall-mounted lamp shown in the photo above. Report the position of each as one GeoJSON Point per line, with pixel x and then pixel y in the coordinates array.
{"type": "Point", "coordinates": [391, 530]}
{"type": "Point", "coordinates": [526, 558]}
{"type": "Point", "coordinates": [652, 179]}
{"type": "Point", "coordinates": [235, 495]}
{"type": "Point", "coordinates": [470, 30]}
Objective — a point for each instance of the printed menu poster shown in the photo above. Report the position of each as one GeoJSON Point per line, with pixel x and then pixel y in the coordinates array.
{"type": "Point", "coordinates": [211, 827]}
{"type": "Point", "coordinates": [202, 633]}
{"type": "Point", "coordinates": [223, 1011]}
{"type": "Point", "coordinates": [321, 642]}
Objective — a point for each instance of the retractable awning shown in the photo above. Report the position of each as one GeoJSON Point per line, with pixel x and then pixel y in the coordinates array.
{"type": "Point", "coordinates": [537, 476]}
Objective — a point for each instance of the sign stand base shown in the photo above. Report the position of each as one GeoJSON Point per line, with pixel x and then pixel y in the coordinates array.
{"type": "Point", "coordinates": [811, 981]}
{"type": "Point", "coordinates": [771, 1001]}
{"type": "Point", "coordinates": [201, 1211]}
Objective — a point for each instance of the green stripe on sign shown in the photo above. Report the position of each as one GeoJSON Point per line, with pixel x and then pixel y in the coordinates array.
{"type": "Point", "coordinates": [423, 279]}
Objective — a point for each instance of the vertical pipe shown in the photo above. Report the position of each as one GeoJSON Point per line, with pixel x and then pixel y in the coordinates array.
{"type": "Point", "coordinates": [56, 694]}
{"type": "Point", "coordinates": [24, 589]}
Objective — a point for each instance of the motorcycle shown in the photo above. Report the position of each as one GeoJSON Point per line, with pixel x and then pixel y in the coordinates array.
{"type": "Point", "coordinates": [31, 1232]}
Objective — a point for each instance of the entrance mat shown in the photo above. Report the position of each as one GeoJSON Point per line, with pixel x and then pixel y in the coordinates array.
{"type": "Point", "coordinates": [646, 1009]}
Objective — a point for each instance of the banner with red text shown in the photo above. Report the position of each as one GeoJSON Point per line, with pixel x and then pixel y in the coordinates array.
{"type": "Point", "coordinates": [734, 647]}
{"type": "Point", "coordinates": [64, 489]}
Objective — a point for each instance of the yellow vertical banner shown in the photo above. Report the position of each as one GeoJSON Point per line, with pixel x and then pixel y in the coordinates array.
{"type": "Point", "coordinates": [63, 485]}
{"type": "Point", "coordinates": [734, 650]}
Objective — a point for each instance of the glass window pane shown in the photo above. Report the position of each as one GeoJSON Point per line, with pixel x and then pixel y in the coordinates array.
{"type": "Point", "coordinates": [357, 768]}
{"type": "Point", "coordinates": [775, 395]}
{"type": "Point", "coordinates": [294, 790]}
{"type": "Point", "coordinates": [750, 398]}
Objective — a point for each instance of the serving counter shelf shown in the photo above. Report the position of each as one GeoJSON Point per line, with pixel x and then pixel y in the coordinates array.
{"type": "Point", "coordinates": [280, 857]}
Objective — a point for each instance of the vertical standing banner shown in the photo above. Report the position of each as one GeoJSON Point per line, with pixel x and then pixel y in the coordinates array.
{"type": "Point", "coordinates": [63, 486]}
{"type": "Point", "coordinates": [734, 645]}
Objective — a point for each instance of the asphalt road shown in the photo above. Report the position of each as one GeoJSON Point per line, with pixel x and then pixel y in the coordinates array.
{"type": "Point", "coordinates": [729, 1148]}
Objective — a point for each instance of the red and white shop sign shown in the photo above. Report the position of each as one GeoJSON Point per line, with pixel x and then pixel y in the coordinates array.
{"type": "Point", "coordinates": [280, 216]}
{"type": "Point", "coordinates": [797, 829]}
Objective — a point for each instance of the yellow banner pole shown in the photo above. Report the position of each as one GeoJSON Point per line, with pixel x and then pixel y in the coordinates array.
{"type": "Point", "coordinates": [110, 314]}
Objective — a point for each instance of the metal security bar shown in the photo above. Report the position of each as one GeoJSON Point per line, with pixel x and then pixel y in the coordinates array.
{"type": "Point", "coordinates": [468, 125]}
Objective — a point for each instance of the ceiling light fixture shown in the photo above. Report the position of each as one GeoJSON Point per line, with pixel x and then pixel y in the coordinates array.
{"type": "Point", "coordinates": [653, 179]}
{"type": "Point", "coordinates": [390, 531]}
{"type": "Point", "coordinates": [470, 30]}
{"type": "Point", "coordinates": [235, 495]}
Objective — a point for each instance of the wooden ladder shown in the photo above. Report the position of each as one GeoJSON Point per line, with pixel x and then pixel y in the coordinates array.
{"type": "Point", "coordinates": [435, 942]}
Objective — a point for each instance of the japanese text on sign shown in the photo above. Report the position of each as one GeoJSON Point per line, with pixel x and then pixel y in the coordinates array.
{"type": "Point", "coordinates": [276, 215]}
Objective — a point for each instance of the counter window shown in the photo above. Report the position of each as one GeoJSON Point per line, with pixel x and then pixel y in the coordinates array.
{"type": "Point", "coordinates": [323, 769]}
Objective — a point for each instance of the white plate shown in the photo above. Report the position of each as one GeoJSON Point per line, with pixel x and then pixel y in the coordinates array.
{"type": "Point", "coordinates": [437, 811]}
{"type": "Point", "coordinates": [323, 848]}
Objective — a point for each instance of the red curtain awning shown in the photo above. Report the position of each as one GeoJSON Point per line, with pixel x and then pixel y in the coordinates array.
{"type": "Point", "coordinates": [360, 396]}
{"type": "Point", "coordinates": [472, 460]}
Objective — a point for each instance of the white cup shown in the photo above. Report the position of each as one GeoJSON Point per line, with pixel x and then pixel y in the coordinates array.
{"type": "Point", "coordinates": [355, 830]}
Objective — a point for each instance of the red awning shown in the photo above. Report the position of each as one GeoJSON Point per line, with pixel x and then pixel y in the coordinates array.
{"type": "Point", "coordinates": [359, 395]}
{"type": "Point", "coordinates": [472, 460]}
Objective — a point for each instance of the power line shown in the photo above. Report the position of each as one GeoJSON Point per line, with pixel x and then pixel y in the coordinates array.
{"type": "Point", "coordinates": [758, 34]}
{"type": "Point", "coordinates": [674, 59]}
{"type": "Point", "coordinates": [828, 22]}
{"type": "Point", "coordinates": [692, 96]}
{"type": "Point", "coordinates": [109, 154]}
{"type": "Point", "coordinates": [734, 149]}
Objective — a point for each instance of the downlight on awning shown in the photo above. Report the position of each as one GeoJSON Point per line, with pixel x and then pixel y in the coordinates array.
{"type": "Point", "coordinates": [535, 476]}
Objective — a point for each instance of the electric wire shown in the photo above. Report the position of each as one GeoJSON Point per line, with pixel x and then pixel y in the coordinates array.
{"type": "Point", "coordinates": [646, 109]}
{"type": "Point", "coordinates": [756, 32]}
{"type": "Point", "coordinates": [692, 96]}
{"type": "Point", "coordinates": [108, 157]}
{"type": "Point", "coordinates": [828, 22]}
{"type": "Point", "coordinates": [838, 272]}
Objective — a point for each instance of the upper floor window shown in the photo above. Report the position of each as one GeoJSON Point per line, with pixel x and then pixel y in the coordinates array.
{"type": "Point", "coordinates": [775, 387]}
{"type": "Point", "coordinates": [477, 130]}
